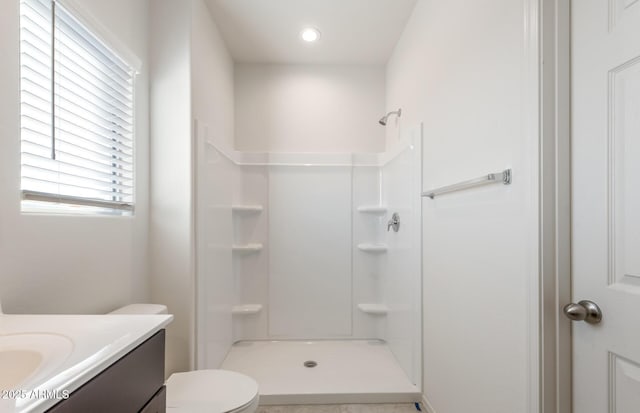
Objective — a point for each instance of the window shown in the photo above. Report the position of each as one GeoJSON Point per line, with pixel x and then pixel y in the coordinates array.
{"type": "Point", "coordinates": [76, 113]}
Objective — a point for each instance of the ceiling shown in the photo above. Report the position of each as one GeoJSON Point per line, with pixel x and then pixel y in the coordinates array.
{"type": "Point", "coordinates": [353, 31]}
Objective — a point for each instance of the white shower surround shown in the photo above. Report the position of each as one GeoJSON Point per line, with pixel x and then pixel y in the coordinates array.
{"type": "Point", "coordinates": [293, 302]}
{"type": "Point", "coordinates": [310, 240]}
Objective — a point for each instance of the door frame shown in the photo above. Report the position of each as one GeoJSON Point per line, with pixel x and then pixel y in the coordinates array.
{"type": "Point", "coordinates": [555, 206]}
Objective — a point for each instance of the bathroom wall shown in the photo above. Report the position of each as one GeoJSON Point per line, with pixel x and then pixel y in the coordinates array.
{"type": "Point", "coordinates": [212, 77]}
{"type": "Point", "coordinates": [171, 268]}
{"type": "Point", "coordinates": [462, 67]}
{"type": "Point", "coordinates": [310, 282]}
{"type": "Point", "coordinates": [191, 84]}
{"type": "Point", "coordinates": [212, 109]}
{"type": "Point", "coordinates": [71, 264]}
{"type": "Point", "coordinates": [309, 108]}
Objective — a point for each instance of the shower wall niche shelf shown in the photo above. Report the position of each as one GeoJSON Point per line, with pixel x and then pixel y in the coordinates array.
{"type": "Point", "coordinates": [247, 209]}
{"type": "Point", "coordinates": [373, 248]}
{"type": "Point", "coordinates": [372, 209]}
{"type": "Point", "coordinates": [247, 247]}
{"type": "Point", "coordinates": [374, 309]}
{"type": "Point", "coordinates": [246, 309]}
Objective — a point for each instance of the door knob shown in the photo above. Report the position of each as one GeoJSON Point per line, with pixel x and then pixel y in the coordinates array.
{"type": "Point", "coordinates": [585, 310]}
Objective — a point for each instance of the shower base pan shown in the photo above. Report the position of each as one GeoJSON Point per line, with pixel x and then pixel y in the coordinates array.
{"type": "Point", "coordinates": [322, 372]}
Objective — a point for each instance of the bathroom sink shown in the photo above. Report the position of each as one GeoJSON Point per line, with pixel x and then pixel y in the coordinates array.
{"type": "Point", "coordinates": [45, 357]}
{"type": "Point", "coordinates": [26, 357]}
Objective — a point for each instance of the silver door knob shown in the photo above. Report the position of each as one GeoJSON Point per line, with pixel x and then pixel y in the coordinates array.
{"type": "Point", "coordinates": [585, 310]}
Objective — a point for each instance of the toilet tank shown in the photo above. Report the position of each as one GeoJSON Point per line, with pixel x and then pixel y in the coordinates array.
{"type": "Point", "coordinates": [141, 309]}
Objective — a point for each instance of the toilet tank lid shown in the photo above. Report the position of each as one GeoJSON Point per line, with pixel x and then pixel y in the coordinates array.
{"type": "Point", "coordinates": [141, 309]}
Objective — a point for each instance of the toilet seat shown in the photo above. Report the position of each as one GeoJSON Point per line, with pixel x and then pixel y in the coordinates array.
{"type": "Point", "coordinates": [211, 391]}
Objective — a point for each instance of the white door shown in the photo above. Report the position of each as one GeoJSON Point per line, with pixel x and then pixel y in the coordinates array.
{"type": "Point", "coordinates": [606, 203]}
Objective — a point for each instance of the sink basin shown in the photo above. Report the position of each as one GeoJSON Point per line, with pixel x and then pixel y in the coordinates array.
{"type": "Point", "coordinates": [27, 357]}
{"type": "Point", "coordinates": [17, 366]}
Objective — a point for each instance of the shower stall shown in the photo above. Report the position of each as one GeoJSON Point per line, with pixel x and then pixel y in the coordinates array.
{"type": "Point", "coordinates": [304, 280]}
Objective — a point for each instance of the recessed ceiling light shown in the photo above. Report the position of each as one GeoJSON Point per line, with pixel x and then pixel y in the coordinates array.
{"type": "Point", "coordinates": [310, 34]}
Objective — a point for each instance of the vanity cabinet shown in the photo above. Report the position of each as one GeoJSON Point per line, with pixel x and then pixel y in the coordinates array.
{"type": "Point", "coordinates": [135, 383]}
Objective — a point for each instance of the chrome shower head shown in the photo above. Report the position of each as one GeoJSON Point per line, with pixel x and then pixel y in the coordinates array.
{"type": "Point", "coordinates": [383, 120]}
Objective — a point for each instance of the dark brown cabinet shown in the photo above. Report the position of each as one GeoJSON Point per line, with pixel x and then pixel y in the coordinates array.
{"type": "Point", "coordinates": [158, 404]}
{"type": "Point", "coordinates": [133, 384]}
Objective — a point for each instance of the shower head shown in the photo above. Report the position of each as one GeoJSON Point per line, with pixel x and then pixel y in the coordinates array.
{"type": "Point", "coordinates": [383, 120]}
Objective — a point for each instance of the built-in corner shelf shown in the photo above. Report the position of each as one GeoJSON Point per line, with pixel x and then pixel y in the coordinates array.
{"type": "Point", "coordinates": [373, 248]}
{"type": "Point", "coordinates": [247, 248]}
{"type": "Point", "coordinates": [374, 309]}
{"type": "Point", "coordinates": [247, 209]}
{"type": "Point", "coordinates": [246, 309]}
{"type": "Point", "coordinates": [372, 209]}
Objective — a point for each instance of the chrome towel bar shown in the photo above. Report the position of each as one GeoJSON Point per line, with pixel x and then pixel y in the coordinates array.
{"type": "Point", "coordinates": [503, 177]}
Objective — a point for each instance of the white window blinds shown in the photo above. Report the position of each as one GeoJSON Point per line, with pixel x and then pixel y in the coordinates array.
{"type": "Point", "coordinates": [76, 112]}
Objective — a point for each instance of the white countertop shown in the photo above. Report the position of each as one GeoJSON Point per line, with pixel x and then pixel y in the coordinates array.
{"type": "Point", "coordinates": [97, 341]}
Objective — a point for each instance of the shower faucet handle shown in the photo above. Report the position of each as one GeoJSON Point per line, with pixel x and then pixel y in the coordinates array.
{"type": "Point", "coordinates": [394, 222]}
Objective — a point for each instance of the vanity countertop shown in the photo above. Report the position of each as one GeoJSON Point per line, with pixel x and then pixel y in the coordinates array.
{"type": "Point", "coordinates": [53, 355]}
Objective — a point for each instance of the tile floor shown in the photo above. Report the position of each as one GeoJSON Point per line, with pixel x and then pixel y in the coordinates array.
{"type": "Point", "coordinates": [342, 408]}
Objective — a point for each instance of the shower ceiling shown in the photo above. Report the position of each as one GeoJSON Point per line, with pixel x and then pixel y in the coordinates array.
{"type": "Point", "coordinates": [353, 31]}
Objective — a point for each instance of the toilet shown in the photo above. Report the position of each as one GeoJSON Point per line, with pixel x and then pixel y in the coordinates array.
{"type": "Point", "coordinates": [203, 391]}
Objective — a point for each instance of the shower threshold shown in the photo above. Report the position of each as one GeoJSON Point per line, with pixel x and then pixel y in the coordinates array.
{"type": "Point", "coordinates": [322, 371]}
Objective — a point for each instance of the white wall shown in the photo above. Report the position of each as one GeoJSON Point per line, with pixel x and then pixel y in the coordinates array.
{"type": "Point", "coordinates": [461, 67]}
{"type": "Point", "coordinates": [310, 251]}
{"type": "Point", "coordinates": [192, 78]}
{"type": "Point", "coordinates": [309, 108]}
{"type": "Point", "coordinates": [212, 107]}
{"type": "Point", "coordinates": [212, 74]}
{"type": "Point", "coordinates": [71, 264]}
{"type": "Point", "coordinates": [171, 268]}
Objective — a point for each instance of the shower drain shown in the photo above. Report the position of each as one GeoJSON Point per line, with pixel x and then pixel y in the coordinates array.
{"type": "Point", "coordinates": [310, 364]}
